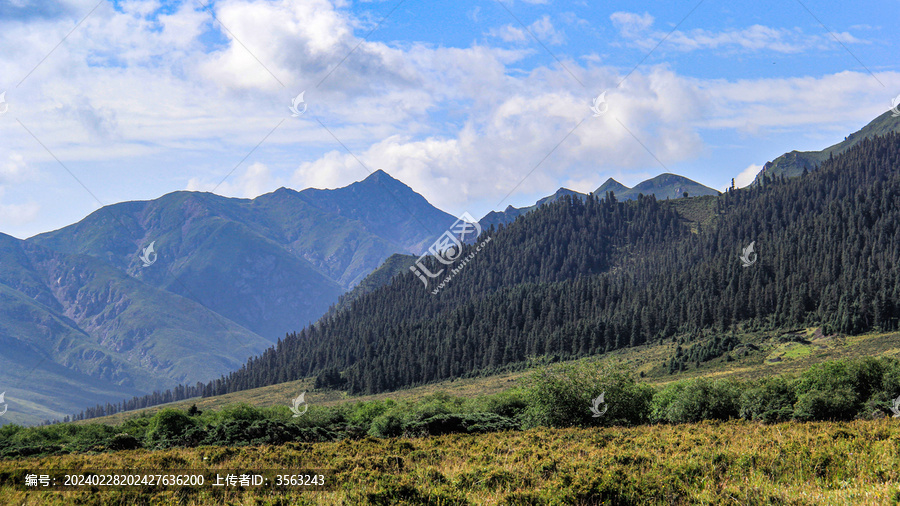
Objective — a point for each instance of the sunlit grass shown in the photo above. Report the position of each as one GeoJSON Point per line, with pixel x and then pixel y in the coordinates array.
{"type": "Point", "coordinates": [708, 463]}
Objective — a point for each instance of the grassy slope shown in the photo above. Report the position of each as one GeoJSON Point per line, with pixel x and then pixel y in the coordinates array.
{"type": "Point", "coordinates": [773, 356]}
{"type": "Point", "coordinates": [707, 463]}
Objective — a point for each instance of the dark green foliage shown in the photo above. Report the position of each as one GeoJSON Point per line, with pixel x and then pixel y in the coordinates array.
{"type": "Point", "coordinates": [562, 396]}
{"type": "Point", "coordinates": [464, 423]}
{"type": "Point", "coordinates": [695, 400]}
{"type": "Point", "coordinates": [330, 378]}
{"type": "Point", "coordinates": [837, 404]}
{"type": "Point", "coordinates": [387, 425]}
{"type": "Point", "coordinates": [270, 432]}
{"type": "Point", "coordinates": [770, 400]}
{"type": "Point", "coordinates": [170, 427]}
{"type": "Point", "coordinates": [123, 441]}
{"type": "Point", "coordinates": [581, 277]}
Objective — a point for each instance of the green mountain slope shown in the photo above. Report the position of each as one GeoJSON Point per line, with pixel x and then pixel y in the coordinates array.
{"type": "Point", "coordinates": [585, 277]}
{"type": "Point", "coordinates": [794, 163]}
{"type": "Point", "coordinates": [271, 264]}
{"type": "Point", "coordinates": [395, 265]}
{"type": "Point", "coordinates": [75, 329]}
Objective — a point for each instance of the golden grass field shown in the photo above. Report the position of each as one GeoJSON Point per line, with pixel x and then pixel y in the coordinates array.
{"type": "Point", "coordinates": [708, 463]}
{"type": "Point", "coordinates": [735, 462]}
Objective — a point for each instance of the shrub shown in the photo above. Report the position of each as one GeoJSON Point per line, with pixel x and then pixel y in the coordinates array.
{"type": "Point", "coordinates": [837, 404]}
{"type": "Point", "coordinates": [695, 400]}
{"type": "Point", "coordinates": [561, 396]}
{"type": "Point", "coordinates": [828, 391]}
{"type": "Point", "coordinates": [123, 441]}
{"type": "Point", "coordinates": [364, 412]}
{"type": "Point", "coordinates": [241, 411]}
{"type": "Point", "coordinates": [509, 404]}
{"type": "Point", "coordinates": [770, 400]}
{"type": "Point", "coordinates": [461, 423]}
{"type": "Point", "coordinates": [435, 404]}
{"type": "Point", "coordinates": [388, 424]}
{"type": "Point", "coordinates": [169, 428]}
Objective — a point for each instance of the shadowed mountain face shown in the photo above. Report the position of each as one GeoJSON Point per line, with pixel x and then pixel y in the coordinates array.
{"type": "Point", "coordinates": [89, 309]}
{"type": "Point", "coordinates": [663, 186]}
{"type": "Point", "coordinates": [76, 330]}
{"type": "Point", "coordinates": [271, 264]}
{"type": "Point", "coordinates": [794, 163]}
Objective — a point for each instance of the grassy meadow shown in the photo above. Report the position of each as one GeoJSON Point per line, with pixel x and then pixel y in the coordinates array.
{"type": "Point", "coordinates": [732, 462]}
{"type": "Point", "coordinates": [785, 418]}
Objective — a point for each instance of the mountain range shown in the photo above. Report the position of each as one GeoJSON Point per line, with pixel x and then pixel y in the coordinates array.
{"type": "Point", "coordinates": [227, 277]}
{"type": "Point", "coordinates": [583, 277]}
{"type": "Point", "coordinates": [90, 316]}
{"type": "Point", "coordinates": [663, 186]}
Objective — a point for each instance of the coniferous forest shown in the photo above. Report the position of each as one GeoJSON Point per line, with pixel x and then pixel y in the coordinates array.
{"type": "Point", "coordinates": [583, 277]}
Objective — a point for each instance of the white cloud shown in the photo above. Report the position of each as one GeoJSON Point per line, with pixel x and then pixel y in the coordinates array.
{"type": "Point", "coordinates": [508, 33]}
{"type": "Point", "coordinates": [543, 29]}
{"type": "Point", "coordinates": [636, 28]}
{"type": "Point", "coordinates": [747, 176]}
{"type": "Point", "coordinates": [252, 182]}
{"type": "Point", "coordinates": [490, 156]}
{"type": "Point", "coordinates": [631, 24]}
{"type": "Point", "coordinates": [15, 170]}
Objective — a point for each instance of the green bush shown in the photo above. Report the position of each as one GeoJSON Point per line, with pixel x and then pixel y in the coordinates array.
{"type": "Point", "coordinates": [836, 404]}
{"type": "Point", "coordinates": [388, 424]}
{"type": "Point", "coordinates": [562, 396]}
{"type": "Point", "coordinates": [461, 423]}
{"type": "Point", "coordinates": [169, 427]}
{"type": "Point", "coordinates": [439, 403]}
{"type": "Point", "coordinates": [695, 400]}
{"type": "Point", "coordinates": [123, 441]}
{"type": "Point", "coordinates": [509, 404]}
{"type": "Point", "coordinates": [362, 413]}
{"type": "Point", "coordinates": [830, 391]}
{"type": "Point", "coordinates": [769, 400]}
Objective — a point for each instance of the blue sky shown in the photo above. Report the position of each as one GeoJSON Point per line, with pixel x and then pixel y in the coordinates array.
{"type": "Point", "coordinates": [460, 100]}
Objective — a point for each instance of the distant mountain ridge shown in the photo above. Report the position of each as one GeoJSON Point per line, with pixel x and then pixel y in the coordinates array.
{"type": "Point", "coordinates": [229, 277]}
{"type": "Point", "coordinates": [272, 263]}
{"type": "Point", "coordinates": [793, 164]}
{"type": "Point", "coordinates": [663, 186]}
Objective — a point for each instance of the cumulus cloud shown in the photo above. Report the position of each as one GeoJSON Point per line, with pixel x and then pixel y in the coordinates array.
{"type": "Point", "coordinates": [137, 81]}
{"type": "Point", "coordinates": [15, 170]}
{"type": "Point", "coordinates": [491, 156]}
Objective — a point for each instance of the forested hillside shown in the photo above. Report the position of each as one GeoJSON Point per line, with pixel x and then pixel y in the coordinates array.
{"type": "Point", "coordinates": [828, 253]}
{"type": "Point", "coordinates": [584, 277]}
